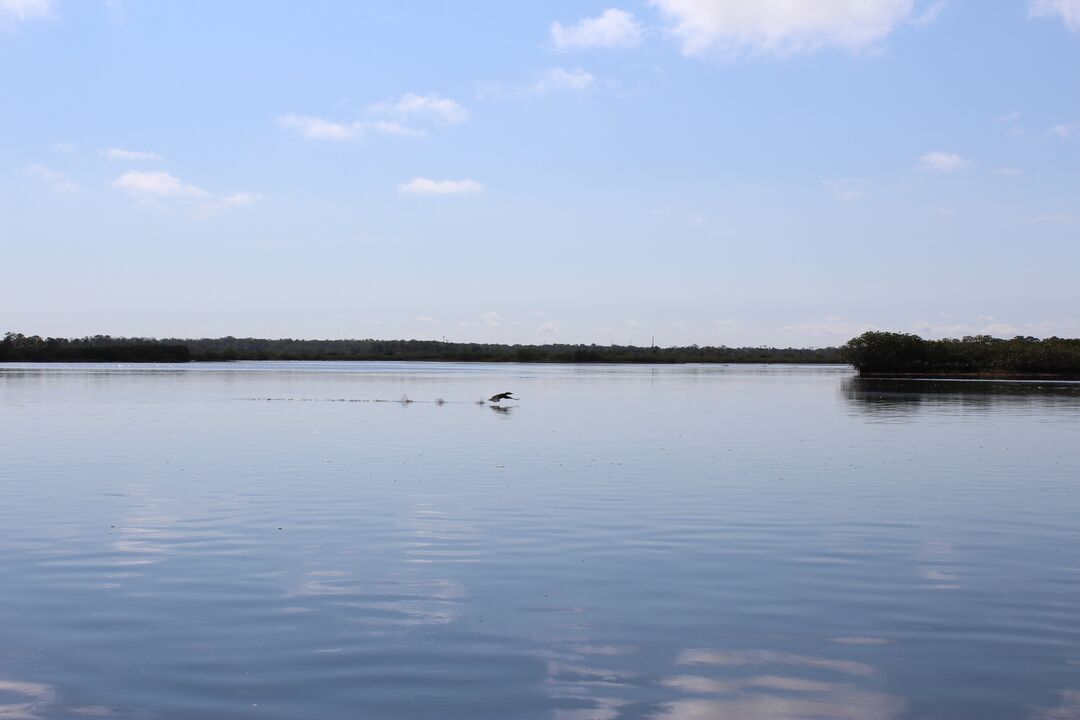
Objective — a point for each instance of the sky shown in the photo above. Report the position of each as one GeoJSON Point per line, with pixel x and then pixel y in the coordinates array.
{"type": "Point", "coordinates": [718, 172]}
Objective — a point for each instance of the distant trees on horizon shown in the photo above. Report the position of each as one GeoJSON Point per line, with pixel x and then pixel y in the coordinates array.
{"type": "Point", "coordinates": [18, 347]}
{"type": "Point", "coordinates": [872, 353]}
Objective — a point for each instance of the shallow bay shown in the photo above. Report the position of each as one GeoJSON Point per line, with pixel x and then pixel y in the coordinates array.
{"type": "Point", "coordinates": [284, 540]}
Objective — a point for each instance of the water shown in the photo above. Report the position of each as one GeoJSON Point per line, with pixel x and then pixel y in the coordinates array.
{"type": "Point", "coordinates": [259, 540]}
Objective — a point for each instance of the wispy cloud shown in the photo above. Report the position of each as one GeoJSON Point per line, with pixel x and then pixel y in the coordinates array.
{"type": "Point", "coordinates": [55, 178]}
{"type": "Point", "coordinates": [160, 186]}
{"type": "Point", "coordinates": [614, 28]}
{"type": "Point", "coordinates": [157, 184]}
{"type": "Point", "coordinates": [1011, 121]}
{"type": "Point", "coordinates": [848, 189]}
{"type": "Point", "coordinates": [132, 155]}
{"type": "Point", "coordinates": [400, 117]}
{"type": "Point", "coordinates": [930, 14]}
{"type": "Point", "coordinates": [989, 325]}
{"type": "Point", "coordinates": [434, 107]}
{"type": "Point", "coordinates": [546, 82]}
{"type": "Point", "coordinates": [782, 27]}
{"type": "Point", "coordinates": [13, 12]}
{"type": "Point", "coordinates": [556, 79]}
{"type": "Point", "coordinates": [427, 186]}
{"type": "Point", "coordinates": [832, 327]}
{"type": "Point", "coordinates": [317, 128]}
{"type": "Point", "coordinates": [1053, 219]}
{"type": "Point", "coordinates": [241, 199]}
{"type": "Point", "coordinates": [489, 319]}
{"type": "Point", "coordinates": [942, 162]}
{"type": "Point", "coordinates": [1065, 130]}
{"type": "Point", "coordinates": [1067, 10]}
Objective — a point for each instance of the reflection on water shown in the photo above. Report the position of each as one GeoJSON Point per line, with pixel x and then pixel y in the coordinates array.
{"type": "Point", "coordinates": [832, 692]}
{"type": "Point", "coordinates": [1069, 709]}
{"type": "Point", "coordinates": [637, 542]}
{"type": "Point", "coordinates": [886, 398]}
{"type": "Point", "coordinates": [24, 699]}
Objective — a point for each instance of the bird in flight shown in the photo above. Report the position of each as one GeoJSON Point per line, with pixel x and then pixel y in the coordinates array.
{"type": "Point", "coordinates": [501, 396]}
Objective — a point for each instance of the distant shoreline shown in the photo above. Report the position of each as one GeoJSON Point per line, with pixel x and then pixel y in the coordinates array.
{"type": "Point", "coordinates": [101, 348]}
{"type": "Point", "coordinates": [873, 354]}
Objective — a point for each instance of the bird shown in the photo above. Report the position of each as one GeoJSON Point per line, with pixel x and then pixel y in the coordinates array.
{"type": "Point", "coordinates": [501, 396]}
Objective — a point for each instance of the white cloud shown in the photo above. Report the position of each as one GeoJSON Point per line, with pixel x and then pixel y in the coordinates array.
{"type": "Point", "coordinates": [58, 180]}
{"type": "Point", "coordinates": [409, 106]}
{"type": "Point", "coordinates": [135, 155]}
{"type": "Point", "coordinates": [930, 14]}
{"type": "Point", "coordinates": [549, 327]}
{"type": "Point", "coordinates": [1008, 171]}
{"type": "Point", "coordinates": [392, 128]}
{"type": "Point", "coordinates": [427, 320]}
{"type": "Point", "coordinates": [784, 27]}
{"type": "Point", "coordinates": [546, 82]}
{"type": "Point", "coordinates": [1067, 10]}
{"type": "Point", "coordinates": [488, 319]}
{"type": "Point", "coordinates": [317, 128]}
{"type": "Point", "coordinates": [1065, 130]}
{"type": "Point", "coordinates": [1053, 219]}
{"type": "Point", "coordinates": [62, 147]}
{"type": "Point", "coordinates": [13, 12]}
{"type": "Point", "coordinates": [1012, 123]}
{"type": "Point", "coordinates": [942, 162]}
{"type": "Point", "coordinates": [988, 325]}
{"type": "Point", "coordinates": [426, 106]}
{"type": "Point", "coordinates": [161, 186]}
{"type": "Point", "coordinates": [613, 29]}
{"type": "Point", "coordinates": [157, 184]}
{"type": "Point", "coordinates": [241, 199]}
{"type": "Point", "coordinates": [426, 186]}
{"type": "Point", "coordinates": [848, 189]}
{"type": "Point", "coordinates": [835, 327]}
{"type": "Point", "coordinates": [562, 79]}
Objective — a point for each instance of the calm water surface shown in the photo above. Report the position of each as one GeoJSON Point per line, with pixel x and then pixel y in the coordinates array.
{"type": "Point", "coordinates": [259, 540]}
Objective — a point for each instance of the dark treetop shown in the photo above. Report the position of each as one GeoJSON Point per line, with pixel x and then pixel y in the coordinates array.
{"type": "Point", "coordinates": [886, 353]}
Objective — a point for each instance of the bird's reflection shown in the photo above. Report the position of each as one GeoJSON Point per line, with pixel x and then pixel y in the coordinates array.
{"type": "Point", "coordinates": [502, 409]}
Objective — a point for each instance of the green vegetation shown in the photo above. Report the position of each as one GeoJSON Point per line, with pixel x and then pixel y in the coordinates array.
{"type": "Point", "coordinates": [102, 348]}
{"type": "Point", "coordinates": [886, 353]}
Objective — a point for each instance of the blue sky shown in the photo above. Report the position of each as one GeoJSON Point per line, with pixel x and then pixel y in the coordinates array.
{"type": "Point", "coordinates": [736, 172]}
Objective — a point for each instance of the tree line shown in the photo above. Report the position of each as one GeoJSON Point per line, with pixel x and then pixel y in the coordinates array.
{"type": "Point", "coordinates": [872, 353]}
{"type": "Point", "coordinates": [16, 347]}
{"type": "Point", "coordinates": [103, 348]}
{"type": "Point", "coordinates": [890, 353]}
